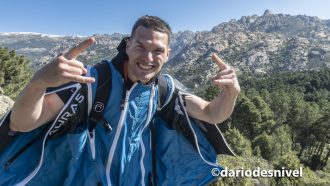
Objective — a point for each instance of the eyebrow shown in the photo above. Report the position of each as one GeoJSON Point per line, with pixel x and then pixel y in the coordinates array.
{"type": "Point", "coordinates": [158, 47]}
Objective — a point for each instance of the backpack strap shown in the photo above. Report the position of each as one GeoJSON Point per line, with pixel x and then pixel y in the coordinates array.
{"type": "Point", "coordinates": [102, 95]}
{"type": "Point", "coordinates": [166, 89]}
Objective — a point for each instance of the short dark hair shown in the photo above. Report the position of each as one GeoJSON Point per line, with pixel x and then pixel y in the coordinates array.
{"type": "Point", "coordinates": [155, 23]}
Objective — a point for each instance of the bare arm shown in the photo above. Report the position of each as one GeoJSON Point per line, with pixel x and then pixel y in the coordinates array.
{"type": "Point", "coordinates": [32, 108]}
{"type": "Point", "coordinates": [221, 107]}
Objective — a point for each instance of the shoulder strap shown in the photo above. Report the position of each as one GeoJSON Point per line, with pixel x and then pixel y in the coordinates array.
{"type": "Point", "coordinates": [166, 88]}
{"type": "Point", "coordinates": [102, 95]}
{"type": "Point", "coordinates": [162, 90]}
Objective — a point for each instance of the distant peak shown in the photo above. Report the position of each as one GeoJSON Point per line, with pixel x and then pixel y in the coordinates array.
{"type": "Point", "coordinates": [37, 34]}
{"type": "Point", "coordinates": [267, 12]}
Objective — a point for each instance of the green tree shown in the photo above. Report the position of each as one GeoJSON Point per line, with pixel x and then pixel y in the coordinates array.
{"type": "Point", "coordinates": [267, 116]}
{"type": "Point", "coordinates": [246, 117]}
{"type": "Point", "coordinates": [265, 143]}
{"type": "Point", "coordinates": [297, 105]}
{"type": "Point", "coordinates": [282, 142]}
{"type": "Point", "coordinates": [14, 72]}
{"type": "Point", "coordinates": [266, 96]}
{"type": "Point", "coordinates": [305, 136]}
{"type": "Point", "coordinates": [280, 105]}
{"type": "Point", "coordinates": [241, 146]}
{"type": "Point", "coordinates": [319, 152]}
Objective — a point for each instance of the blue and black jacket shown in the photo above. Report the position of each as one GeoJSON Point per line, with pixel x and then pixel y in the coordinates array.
{"type": "Point", "coordinates": [144, 143]}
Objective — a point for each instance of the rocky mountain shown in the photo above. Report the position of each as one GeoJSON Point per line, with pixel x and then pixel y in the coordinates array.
{"type": "Point", "coordinates": [42, 48]}
{"type": "Point", "coordinates": [257, 44]}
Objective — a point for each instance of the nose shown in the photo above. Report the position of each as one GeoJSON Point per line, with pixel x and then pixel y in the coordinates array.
{"type": "Point", "coordinates": [148, 56]}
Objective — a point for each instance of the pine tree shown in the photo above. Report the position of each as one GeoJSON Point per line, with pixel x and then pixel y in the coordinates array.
{"type": "Point", "coordinates": [14, 72]}
{"type": "Point", "coordinates": [241, 146]}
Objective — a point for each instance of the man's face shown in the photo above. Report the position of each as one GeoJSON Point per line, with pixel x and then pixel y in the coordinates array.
{"type": "Point", "coordinates": [147, 51]}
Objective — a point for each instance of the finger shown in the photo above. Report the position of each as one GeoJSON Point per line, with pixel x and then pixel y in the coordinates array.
{"type": "Point", "coordinates": [222, 82]}
{"type": "Point", "coordinates": [66, 64]}
{"type": "Point", "coordinates": [74, 70]}
{"type": "Point", "coordinates": [227, 76]}
{"type": "Point", "coordinates": [226, 71]}
{"type": "Point", "coordinates": [222, 73]}
{"type": "Point", "coordinates": [80, 79]}
{"type": "Point", "coordinates": [74, 52]}
{"type": "Point", "coordinates": [77, 64]}
{"type": "Point", "coordinates": [219, 62]}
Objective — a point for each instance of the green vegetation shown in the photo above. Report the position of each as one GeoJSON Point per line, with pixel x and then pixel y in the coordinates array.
{"type": "Point", "coordinates": [280, 120]}
{"type": "Point", "coordinates": [14, 72]}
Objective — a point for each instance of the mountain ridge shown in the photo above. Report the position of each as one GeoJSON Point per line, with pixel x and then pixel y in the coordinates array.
{"type": "Point", "coordinates": [257, 44]}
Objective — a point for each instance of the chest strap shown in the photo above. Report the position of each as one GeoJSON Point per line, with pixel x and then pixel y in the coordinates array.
{"type": "Point", "coordinates": [101, 98]}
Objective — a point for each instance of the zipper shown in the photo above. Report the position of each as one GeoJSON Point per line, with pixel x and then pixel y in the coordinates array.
{"type": "Point", "coordinates": [89, 91]}
{"type": "Point", "coordinates": [117, 134]}
{"type": "Point", "coordinates": [36, 170]}
{"type": "Point", "coordinates": [91, 135]}
{"type": "Point", "coordinates": [145, 125]}
{"type": "Point", "coordinates": [21, 151]}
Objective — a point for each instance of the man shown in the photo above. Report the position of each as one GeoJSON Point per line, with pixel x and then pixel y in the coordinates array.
{"type": "Point", "coordinates": [134, 81]}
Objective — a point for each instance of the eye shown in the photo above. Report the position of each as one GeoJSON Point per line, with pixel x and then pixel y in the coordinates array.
{"type": "Point", "coordinates": [159, 51]}
{"type": "Point", "coordinates": [139, 47]}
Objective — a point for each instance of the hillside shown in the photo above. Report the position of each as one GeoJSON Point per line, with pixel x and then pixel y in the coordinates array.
{"type": "Point", "coordinates": [257, 44]}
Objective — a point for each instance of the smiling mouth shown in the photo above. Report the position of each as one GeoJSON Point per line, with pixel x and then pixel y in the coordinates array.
{"type": "Point", "coordinates": [145, 66]}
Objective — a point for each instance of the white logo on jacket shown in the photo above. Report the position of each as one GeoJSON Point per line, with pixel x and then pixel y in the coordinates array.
{"type": "Point", "coordinates": [66, 115]}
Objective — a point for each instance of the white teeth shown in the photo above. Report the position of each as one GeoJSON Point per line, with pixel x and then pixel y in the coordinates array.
{"type": "Point", "coordinates": [145, 67]}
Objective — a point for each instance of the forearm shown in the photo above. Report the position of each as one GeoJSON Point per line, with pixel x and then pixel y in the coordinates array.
{"type": "Point", "coordinates": [27, 108]}
{"type": "Point", "coordinates": [32, 108]}
{"type": "Point", "coordinates": [221, 107]}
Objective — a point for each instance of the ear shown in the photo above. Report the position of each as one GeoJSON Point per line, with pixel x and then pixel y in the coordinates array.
{"type": "Point", "coordinates": [168, 54]}
{"type": "Point", "coordinates": [128, 43]}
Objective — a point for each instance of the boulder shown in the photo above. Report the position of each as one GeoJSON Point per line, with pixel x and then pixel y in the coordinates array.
{"type": "Point", "coordinates": [5, 104]}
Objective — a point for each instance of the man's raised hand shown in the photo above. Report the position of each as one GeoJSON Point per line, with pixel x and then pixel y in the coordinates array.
{"type": "Point", "coordinates": [226, 77]}
{"type": "Point", "coordinates": [65, 68]}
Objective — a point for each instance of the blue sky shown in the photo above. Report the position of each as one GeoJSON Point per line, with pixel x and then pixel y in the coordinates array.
{"type": "Point", "coordinates": [87, 17]}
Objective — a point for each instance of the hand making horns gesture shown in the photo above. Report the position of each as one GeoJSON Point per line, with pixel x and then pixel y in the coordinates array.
{"type": "Point", "coordinates": [65, 68]}
{"type": "Point", "coordinates": [226, 77]}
